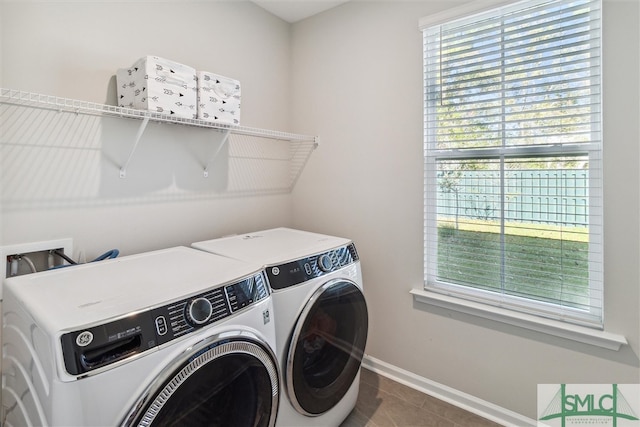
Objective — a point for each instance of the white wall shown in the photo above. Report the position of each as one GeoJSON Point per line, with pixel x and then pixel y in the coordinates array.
{"type": "Point", "coordinates": [354, 75]}
{"type": "Point", "coordinates": [59, 172]}
{"type": "Point", "coordinates": [358, 84]}
{"type": "Point", "coordinates": [1, 42]}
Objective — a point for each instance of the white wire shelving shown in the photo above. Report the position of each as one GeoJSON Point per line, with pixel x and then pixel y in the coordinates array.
{"type": "Point", "coordinates": [306, 143]}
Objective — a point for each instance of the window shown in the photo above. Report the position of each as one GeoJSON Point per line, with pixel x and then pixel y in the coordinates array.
{"type": "Point", "coordinates": [513, 185]}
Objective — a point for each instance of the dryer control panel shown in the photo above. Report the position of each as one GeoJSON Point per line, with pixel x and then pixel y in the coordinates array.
{"type": "Point", "coordinates": [292, 273]}
{"type": "Point", "coordinates": [89, 349]}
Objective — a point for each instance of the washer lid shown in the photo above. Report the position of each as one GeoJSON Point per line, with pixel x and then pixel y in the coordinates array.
{"type": "Point", "coordinates": [89, 293]}
{"type": "Point", "coordinates": [273, 246]}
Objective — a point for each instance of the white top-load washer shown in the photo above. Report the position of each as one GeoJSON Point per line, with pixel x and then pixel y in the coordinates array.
{"type": "Point", "coordinates": [320, 314]}
{"type": "Point", "coordinates": [172, 336]}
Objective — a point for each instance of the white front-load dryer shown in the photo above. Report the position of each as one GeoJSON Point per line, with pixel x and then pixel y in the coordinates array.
{"type": "Point", "coordinates": [171, 337]}
{"type": "Point", "coordinates": [320, 314]}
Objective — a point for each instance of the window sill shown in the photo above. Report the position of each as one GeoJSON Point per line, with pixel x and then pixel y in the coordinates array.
{"type": "Point", "coordinates": [551, 327]}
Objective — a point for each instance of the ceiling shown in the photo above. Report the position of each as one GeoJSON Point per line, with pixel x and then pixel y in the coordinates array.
{"type": "Point", "coordinates": [296, 10]}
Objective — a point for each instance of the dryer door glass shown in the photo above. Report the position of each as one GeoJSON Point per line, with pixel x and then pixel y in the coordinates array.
{"type": "Point", "coordinates": [326, 347]}
{"type": "Point", "coordinates": [225, 384]}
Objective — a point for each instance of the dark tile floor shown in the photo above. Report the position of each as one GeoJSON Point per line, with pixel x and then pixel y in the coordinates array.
{"type": "Point", "coordinates": [386, 403]}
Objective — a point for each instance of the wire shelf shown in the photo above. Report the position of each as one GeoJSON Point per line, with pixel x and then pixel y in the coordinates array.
{"type": "Point", "coordinates": [302, 145]}
{"type": "Point", "coordinates": [17, 97]}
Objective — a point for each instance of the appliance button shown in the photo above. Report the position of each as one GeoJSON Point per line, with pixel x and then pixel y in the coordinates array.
{"type": "Point", "coordinates": [161, 325]}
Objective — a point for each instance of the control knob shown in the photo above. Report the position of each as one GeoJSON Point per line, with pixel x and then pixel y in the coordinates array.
{"type": "Point", "coordinates": [199, 311]}
{"type": "Point", "coordinates": [324, 263]}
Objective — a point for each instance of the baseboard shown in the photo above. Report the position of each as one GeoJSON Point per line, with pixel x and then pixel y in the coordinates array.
{"type": "Point", "coordinates": [447, 394]}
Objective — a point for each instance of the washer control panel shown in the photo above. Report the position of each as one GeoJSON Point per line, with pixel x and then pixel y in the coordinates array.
{"type": "Point", "coordinates": [92, 348]}
{"type": "Point", "coordinates": [292, 273]}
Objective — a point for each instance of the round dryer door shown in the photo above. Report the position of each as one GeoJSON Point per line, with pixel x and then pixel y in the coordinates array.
{"type": "Point", "coordinates": [223, 382]}
{"type": "Point", "coordinates": [326, 347]}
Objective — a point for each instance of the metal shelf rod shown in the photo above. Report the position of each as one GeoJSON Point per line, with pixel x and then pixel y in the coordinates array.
{"type": "Point", "coordinates": [20, 98]}
{"type": "Point", "coordinates": [143, 126]}
{"type": "Point", "coordinates": [225, 138]}
{"type": "Point", "coordinates": [49, 102]}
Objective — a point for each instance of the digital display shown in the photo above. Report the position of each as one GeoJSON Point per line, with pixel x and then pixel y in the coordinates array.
{"type": "Point", "coordinates": [245, 292]}
{"type": "Point", "coordinates": [242, 294]}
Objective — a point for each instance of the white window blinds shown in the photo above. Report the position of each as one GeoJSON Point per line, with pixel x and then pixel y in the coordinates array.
{"type": "Point", "coordinates": [513, 192]}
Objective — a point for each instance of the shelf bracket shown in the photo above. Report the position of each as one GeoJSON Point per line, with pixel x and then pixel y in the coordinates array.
{"type": "Point", "coordinates": [225, 138]}
{"type": "Point", "coordinates": [143, 126]}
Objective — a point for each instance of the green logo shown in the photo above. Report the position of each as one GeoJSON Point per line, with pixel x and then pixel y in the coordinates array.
{"type": "Point", "coordinates": [591, 405]}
